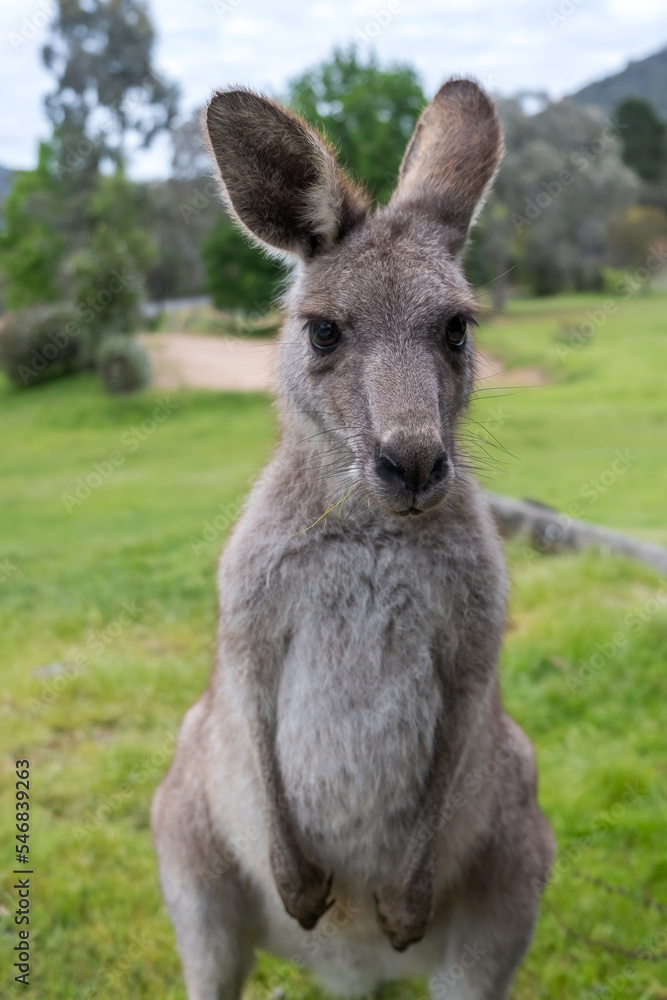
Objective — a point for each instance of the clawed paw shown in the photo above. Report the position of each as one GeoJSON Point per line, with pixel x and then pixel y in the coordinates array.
{"type": "Point", "coordinates": [310, 898]}
{"type": "Point", "coordinates": [403, 924]}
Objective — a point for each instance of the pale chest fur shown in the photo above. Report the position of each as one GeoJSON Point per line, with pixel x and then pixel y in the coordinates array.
{"type": "Point", "coordinates": [359, 698]}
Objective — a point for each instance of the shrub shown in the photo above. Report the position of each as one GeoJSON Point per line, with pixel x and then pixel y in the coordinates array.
{"type": "Point", "coordinates": [238, 276]}
{"type": "Point", "coordinates": [635, 234]}
{"type": "Point", "coordinates": [40, 343]}
{"type": "Point", "coordinates": [123, 365]}
{"type": "Point", "coordinates": [108, 273]}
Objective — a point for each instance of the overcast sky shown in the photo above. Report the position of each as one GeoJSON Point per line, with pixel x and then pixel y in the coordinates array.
{"type": "Point", "coordinates": [557, 46]}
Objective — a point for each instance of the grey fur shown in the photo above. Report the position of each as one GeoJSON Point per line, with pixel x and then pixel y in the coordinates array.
{"type": "Point", "coordinates": [348, 793]}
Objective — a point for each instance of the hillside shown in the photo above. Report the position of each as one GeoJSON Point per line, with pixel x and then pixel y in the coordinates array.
{"type": "Point", "coordinates": [646, 78]}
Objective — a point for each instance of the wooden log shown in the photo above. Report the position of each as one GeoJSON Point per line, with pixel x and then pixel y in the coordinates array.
{"type": "Point", "coordinates": [547, 530]}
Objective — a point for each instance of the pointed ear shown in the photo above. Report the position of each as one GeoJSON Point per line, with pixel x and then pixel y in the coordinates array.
{"type": "Point", "coordinates": [452, 158]}
{"type": "Point", "coordinates": [279, 177]}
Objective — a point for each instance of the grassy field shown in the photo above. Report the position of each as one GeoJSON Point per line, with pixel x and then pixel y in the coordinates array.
{"type": "Point", "coordinates": [113, 513]}
{"type": "Point", "coordinates": [605, 395]}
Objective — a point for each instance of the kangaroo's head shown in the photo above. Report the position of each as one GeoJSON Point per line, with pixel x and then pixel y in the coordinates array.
{"type": "Point", "coordinates": [376, 348]}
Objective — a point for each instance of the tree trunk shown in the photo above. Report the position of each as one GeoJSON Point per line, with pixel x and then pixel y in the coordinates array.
{"type": "Point", "coordinates": [549, 531]}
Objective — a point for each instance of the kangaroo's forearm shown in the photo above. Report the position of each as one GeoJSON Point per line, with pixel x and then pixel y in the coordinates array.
{"type": "Point", "coordinates": [302, 885]}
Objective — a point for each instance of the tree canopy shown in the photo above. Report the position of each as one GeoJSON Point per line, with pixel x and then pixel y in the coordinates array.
{"type": "Point", "coordinates": [108, 97]}
{"type": "Point", "coordinates": [561, 185]}
{"type": "Point", "coordinates": [369, 112]}
{"type": "Point", "coordinates": [31, 250]}
{"type": "Point", "coordinates": [644, 137]}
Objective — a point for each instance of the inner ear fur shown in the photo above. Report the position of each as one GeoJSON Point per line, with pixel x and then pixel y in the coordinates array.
{"type": "Point", "coordinates": [452, 158]}
{"type": "Point", "coordinates": [279, 177]}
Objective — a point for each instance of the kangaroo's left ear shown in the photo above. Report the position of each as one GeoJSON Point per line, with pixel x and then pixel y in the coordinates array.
{"type": "Point", "coordinates": [452, 158]}
{"type": "Point", "coordinates": [279, 177]}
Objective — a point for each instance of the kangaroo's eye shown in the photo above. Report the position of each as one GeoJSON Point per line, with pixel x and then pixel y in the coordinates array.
{"type": "Point", "coordinates": [456, 331]}
{"type": "Point", "coordinates": [324, 335]}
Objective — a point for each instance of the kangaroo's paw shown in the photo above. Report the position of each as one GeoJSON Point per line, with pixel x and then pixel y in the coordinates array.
{"type": "Point", "coordinates": [307, 897]}
{"type": "Point", "coordinates": [403, 915]}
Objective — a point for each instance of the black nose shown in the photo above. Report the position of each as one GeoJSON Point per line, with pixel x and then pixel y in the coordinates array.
{"type": "Point", "coordinates": [416, 472]}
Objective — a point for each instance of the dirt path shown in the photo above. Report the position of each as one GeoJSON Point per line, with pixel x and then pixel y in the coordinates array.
{"type": "Point", "coordinates": [182, 360]}
{"type": "Point", "coordinates": [490, 372]}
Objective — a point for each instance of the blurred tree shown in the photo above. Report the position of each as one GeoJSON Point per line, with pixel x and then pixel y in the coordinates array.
{"type": "Point", "coordinates": [108, 100]}
{"type": "Point", "coordinates": [644, 138]}
{"type": "Point", "coordinates": [31, 250]}
{"type": "Point", "coordinates": [633, 236]}
{"type": "Point", "coordinates": [561, 186]}
{"type": "Point", "coordinates": [368, 112]}
{"type": "Point", "coordinates": [173, 215]}
{"type": "Point", "coordinates": [77, 230]}
{"type": "Point", "coordinates": [190, 159]}
{"type": "Point", "coordinates": [109, 273]}
{"type": "Point", "coordinates": [180, 213]}
{"type": "Point", "coordinates": [237, 275]}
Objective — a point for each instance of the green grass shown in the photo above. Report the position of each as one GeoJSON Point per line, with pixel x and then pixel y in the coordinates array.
{"type": "Point", "coordinates": [603, 396]}
{"type": "Point", "coordinates": [125, 582]}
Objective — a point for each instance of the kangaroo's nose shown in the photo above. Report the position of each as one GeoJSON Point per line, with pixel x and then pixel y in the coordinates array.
{"type": "Point", "coordinates": [416, 471]}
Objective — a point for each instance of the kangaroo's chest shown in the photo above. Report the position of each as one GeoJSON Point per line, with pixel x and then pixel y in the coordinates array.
{"type": "Point", "coordinates": [358, 702]}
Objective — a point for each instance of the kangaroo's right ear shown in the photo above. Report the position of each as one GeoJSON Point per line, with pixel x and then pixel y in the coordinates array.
{"type": "Point", "coordinates": [279, 178]}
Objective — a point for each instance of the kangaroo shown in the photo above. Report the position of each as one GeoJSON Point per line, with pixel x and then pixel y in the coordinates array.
{"type": "Point", "coordinates": [348, 794]}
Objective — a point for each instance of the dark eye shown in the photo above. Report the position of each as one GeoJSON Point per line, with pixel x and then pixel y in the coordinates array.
{"type": "Point", "coordinates": [324, 335]}
{"type": "Point", "coordinates": [456, 331]}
